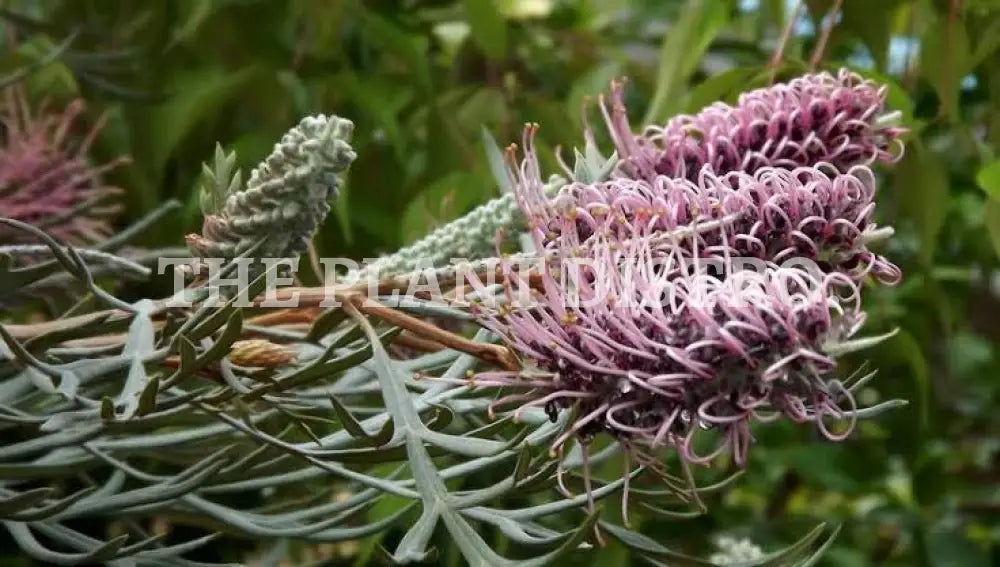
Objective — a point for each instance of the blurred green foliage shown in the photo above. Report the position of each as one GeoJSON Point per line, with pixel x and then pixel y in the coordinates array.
{"type": "Point", "coordinates": [420, 78]}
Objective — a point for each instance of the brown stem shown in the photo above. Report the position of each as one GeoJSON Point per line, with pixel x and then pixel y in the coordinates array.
{"type": "Point", "coordinates": [786, 34]}
{"type": "Point", "coordinates": [910, 71]}
{"type": "Point", "coordinates": [949, 53]}
{"type": "Point", "coordinates": [493, 354]}
{"type": "Point", "coordinates": [314, 262]}
{"type": "Point", "coordinates": [286, 317]}
{"type": "Point", "coordinates": [414, 341]}
{"type": "Point", "coordinates": [32, 330]}
{"type": "Point", "coordinates": [309, 299]}
{"type": "Point", "coordinates": [824, 38]}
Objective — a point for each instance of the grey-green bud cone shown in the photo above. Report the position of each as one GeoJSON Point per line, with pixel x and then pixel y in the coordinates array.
{"type": "Point", "coordinates": [471, 237]}
{"type": "Point", "coordinates": [284, 201]}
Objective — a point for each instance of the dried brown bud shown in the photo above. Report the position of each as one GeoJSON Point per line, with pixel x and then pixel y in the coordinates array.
{"type": "Point", "coordinates": [261, 353]}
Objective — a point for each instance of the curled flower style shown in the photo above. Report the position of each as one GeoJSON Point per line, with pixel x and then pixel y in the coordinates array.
{"type": "Point", "coordinates": [813, 119]}
{"type": "Point", "coordinates": [652, 354]}
{"type": "Point", "coordinates": [776, 215]}
{"type": "Point", "coordinates": [46, 179]}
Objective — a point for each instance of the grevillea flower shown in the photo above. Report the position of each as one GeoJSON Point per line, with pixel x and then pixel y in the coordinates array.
{"type": "Point", "coordinates": [46, 179]}
{"type": "Point", "coordinates": [643, 342]}
{"type": "Point", "coordinates": [774, 214]}
{"type": "Point", "coordinates": [813, 119]}
{"type": "Point", "coordinates": [653, 354]}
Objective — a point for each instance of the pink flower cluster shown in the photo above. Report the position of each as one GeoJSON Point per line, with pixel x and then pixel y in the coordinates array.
{"type": "Point", "coordinates": [650, 348]}
{"type": "Point", "coordinates": [45, 181]}
{"type": "Point", "coordinates": [813, 119]}
{"type": "Point", "coordinates": [653, 353]}
{"type": "Point", "coordinates": [774, 214]}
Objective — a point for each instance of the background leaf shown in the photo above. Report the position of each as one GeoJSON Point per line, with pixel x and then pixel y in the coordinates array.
{"type": "Point", "coordinates": [683, 46]}
{"type": "Point", "coordinates": [922, 187]}
{"type": "Point", "coordinates": [489, 30]}
{"type": "Point", "coordinates": [993, 222]}
{"type": "Point", "coordinates": [988, 178]}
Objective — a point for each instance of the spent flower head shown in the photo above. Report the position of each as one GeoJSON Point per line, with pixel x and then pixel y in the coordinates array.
{"type": "Point", "coordinates": [46, 178]}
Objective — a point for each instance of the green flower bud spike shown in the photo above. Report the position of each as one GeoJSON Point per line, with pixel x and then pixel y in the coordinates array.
{"type": "Point", "coordinates": [286, 198]}
{"type": "Point", "coordinates": [472, 236]}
